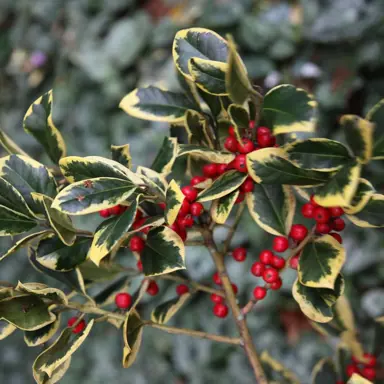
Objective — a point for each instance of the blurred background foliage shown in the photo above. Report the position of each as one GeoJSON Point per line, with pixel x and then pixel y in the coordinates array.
{"type": "Point", "coordinates": [93, 52]}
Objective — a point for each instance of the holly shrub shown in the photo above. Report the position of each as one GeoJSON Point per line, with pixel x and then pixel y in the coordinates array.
{"type": "Point", "coordinates": [244, 151]}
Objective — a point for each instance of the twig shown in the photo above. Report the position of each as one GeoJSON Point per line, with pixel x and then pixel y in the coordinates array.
{"type": "Point", "coordinates": [233, 228]}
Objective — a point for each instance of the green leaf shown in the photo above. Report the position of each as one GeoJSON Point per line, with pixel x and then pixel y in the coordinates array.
{"type": "Point", "coordinates": [208, 154]}
{"type": "Point", "coordinates": [10, 146]}
{"type": "Point", "coordinates": [359, 135]}
{"type": "Point", "coordinates": [6, 329]}
{"type": "Point", "coordinates": [42, 335]}
{"type": "Point", "coordinates": [272, 207]}
{"type": "Point", "coordinates": [277, 369]}
{"type": "Point", "coordinates": [60, 351]}
{"type": "Point", "coordinates": [221, 208]}
{"type": "Point", "coordinates": [111, 233]}
{"type": "Point", "coordinates": [14, 223]}
{"type": "Point", "coordinates": [104, 272]}
{"type": "Point", "coordinates": [288, 109]}
{"type": "Point", "coordinates": [154, 180]}
{"type": "Point", "coordinates": [319, 154]}
{"type": "Point", "coordinates": [173, 200]}
{"type": "Point", "coordinates": [272, 166]}
{"type": "Point", "coordinates": [239, 118]}
{"type": "Point", "coordinates": [343, 358]}
{"type": "Point", "coordinates": [372, 215]}
{"type": "Point", "coordinates": [92, 195]}
{"type": "Point", "coordinates": [376, 116]}
{"type": "Point", "coordinates": [208, 75]}
{"type": "Point", "coordinates": [320, 262]}
{"type": "Point", "coordinates": [164, 252]}
{"type": "Point", "coordinates": [237, 81]}
{"type": "Point", "coordinates": [341, 188]}
{"type": "Point", "coordinates": [197, 43]}
{"type": "Point", "coordinates": [39, 123]}
{"type": "Point", "coordinates": [55, 255]}
{"type": "Point", "coordinates": [154, 104]}
{"type": "Point", "coordinates": [27, 175]}
{"type": "Point", "coordinates": [324, 372]}
{"type": "Point", "coordinates": [223, 185]}
{"type": "Point", "coordinates": [28, 312]}
{"type": "Point", "coordinates": [166, 156]}
{"type": "Point", "coordinates": [165, 311]}
{"type": "Point", "coordinates": [43, 291]}
{"type": "Point", "coordinates": [56, 376]}
{"type": "Point", "coordinates": [107, 295]}
{"type": "Point", "coordinates": [75, 168]}
{"type": "Point", "coordinates": [132, 334]}
{"type": "Point", "coordinates": [195, 127]}
{"type": "Point", "coordinates": [122, 154]}
{"type": "Point", "coordinates": [363, 194]}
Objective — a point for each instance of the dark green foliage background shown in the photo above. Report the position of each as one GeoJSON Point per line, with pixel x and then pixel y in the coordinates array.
{"type": "Point", "coordinates": [96, 52]}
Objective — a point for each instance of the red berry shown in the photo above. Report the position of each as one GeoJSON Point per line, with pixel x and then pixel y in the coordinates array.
{"type": "Point", "coordinates": [368, 357]}
{"type": "Point", "coordinates": [240, 163]}
{"type": "Point", "coordinates": [181, 289]}
{"type": "Point", "coordinates": [298, 232]}
{"type": "Point", "coordinates": [220, 310]}
{"type": "Point", "coordinates": [216, 278]}
{"type": "Point", "coordinates": [351, 369]}
{"type": "Point", "coordinates": [234, 288]}
{"type": "Point", "coordinates": [231, 131]}
{"type": "Point", "coordinates": [247, 186]}
{"type": "Point", "coordinates": [323, 228]}
{"type": "Point", "coordinates": [337, 237]}
{"type": "Point", "coordinates": [369, 373]}
{"type": "Point", "coordinates": [336, 211]}
{"type": "Point", "coordinates": [240, 198]}
{"type": "Point", "coordinates": [139, 223]}
{"type": "Point", "coordinates": [259, 293]}
{"type": "Point", "coordinates": [139, 215]}
{"type": "Point", "coordinates": [197, 209]}
{"type": "Point", "coordinates": [153, 288]}
{"type": "Point", "coordinates": [245, 147]}
{"type": "Point", "coordinates": [116, 210]}
{"type": "Point", "coordinates": [312, 200]}
{"type": "Point", "coordinates": [210, 170]}
{"type": "Point", "coordinates": [263, 131]}
{"type": "Point", "coordinates": [266, 256]}
{"type": "Point", "coordinates": [162, 205]}
{"type": "Point", "coordinates": [294, 261]}
{"type": "Point", "coordinates": [186, 221]}
{"type": "Point", "coordinates": [185, 208]}
{"type": "Point", "coordinates": [270, 275]}
{"type": "Point", "coordinates": [79, 327]}
{"type": "Point", "coordinates": [197, 180]}
{"type": "Point", "coordinates": [307, 210]}
{"type": "Point", "coordinates": [230, 144]}
{"type": "Point", "coordinates": [123, 300]}
{"type": "Point", "coordinates": [221, 168]}
{"type": "Point", "coordinates": [216, 298]}
{"type": "Point", "coordinates": [257, 268]}
{"type": "Point", "coordinates": [338, 224]}
{"type": "Point", "coordinates": [251, 124]}
{"type": "Point", "coordinates": [280, 244]}
{"type": "Point", "coordinates": [278, 262]}
{"type": "Point", "coordinates": [136, 244]}
{"type": "Point", "coordinates": [189, 192]}
{"type": "Point", "coordinates": [139, 266]}
{"type": "Point", "coordinates": [321, 215]}
{"type": "Point", "coordinates": [179, 230]}
{"type": "Point", "coordinates": [276, 285]}
{"type": "Point", "coordinates": [239, 254]}
{"type": "Point", "coordinates": [265, 140]}
{"type": "Point", "coordinates": [104, 213]}
{"type": "Point", "coordinates": [340, 382]}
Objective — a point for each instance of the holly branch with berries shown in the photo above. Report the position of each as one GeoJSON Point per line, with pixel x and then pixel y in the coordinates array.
{"type": "Point", "coordinates": [242, 150]}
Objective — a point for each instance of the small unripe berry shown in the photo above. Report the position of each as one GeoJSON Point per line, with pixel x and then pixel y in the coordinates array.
{"type": "Point", "coordinates": [257, 268]}
{"type": "Point", "coordinates": [323, 228]}
{"type": "Point", "coordinates": [276, 285]}
{"type": "Point", "coordinates": [337, 237]}
{"type": "Point", "coordinates": [336, 211]}
{"type": "Point", "coordinates": [136, 244]}
{"type": "Point", "coordinates": [280, 244]}
{"type": "Point", "coordinates": [216, 298]}
{"type": "Point", "coordinates": [351, 369]}
{"type": "Point", "coordinates": [197, 180]}
{"type": "Point", "coordinates": [210, 170]}
{"type": "Point", "coordinates": [139, 266]}
{"type": "Point", "coordinates": [369, 373]}
{"type": "Point", "coordinates": [266, 256]}
{"type": "Point", "coordinates": [278, 262]}
{"type": "Point", "coordinates": [189, 192]}
{"type": "Point", "coordinates": [240, 163]}
{"type": "Point", "coordinates": [247, 186]}
{"type": "Point", "coordinates": [294, 261]}
{"type": "Point", "coordinates": [186, 221]}
{"type": "Point", "coordinates": [220, 310]}
{"type": "Point", "coordinates": [181, 289]}
{"type": "Point", "coordinates": [239, 254]}
{"type": "Point", "coordinates": [259, 293]}
{"type": "Point", "coordinates": [230, 144]}
{"type": "Point", "coordinates": [234, 288]}
{"type": "Point", "coordinates": [117, 210]}
{"type": "Point", "coordinates": [240, 198]}
{"type": "Point", "coordinates": [221, 168]}
{"type": "Point", "coordinates": [263, 131]}
{"type": "Point", "coordinates": [245, 147]}
{"type": "Point", "coordinates": [270, 275]}
{"type": "Point", "coordinates": [153, 288]}
{"type": "Point", "coordinates": [79, 327]}
{"type": "Point", "coordinates": [123, 300]}
{"type": "Point", "coordinates": [197, 209]}
{"type": "Point", "coordinates": [185, 208]}
{"type": "Point", "coordinates": [104, 213]}
{"type": "Point", "coordinates": [307, 210]}
{"type": "Point", "coordinates": [338, 224]}
{"type": "Point", "coordinates": [216, 278]}
{"type": "Point", "coordinates": [298, 232]}
{"type": "Point", "coordinates": [321, 215]}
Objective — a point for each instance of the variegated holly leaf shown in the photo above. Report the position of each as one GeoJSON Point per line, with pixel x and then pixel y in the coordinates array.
{"type": "Point", "coordinates": [42, 335]}
{"type": "Point", "coordinates": [358, 379]}
{"type": "Point", "coordinates": [122, 154]}
{"type": "Point", "coordinates": [376, 116]}
{"type": "Point", "coordinates": [343, 358]}
{"type": "Point", "coordinates": [154, 180]}
{"type": "Point", "coordinates": [43, 291]}
{"type": "Point", "coordinates": [204, 153]}
{"type": "Point", "coordinates": [272, 207]}
{"type": "Point", "coordinates": [154, 104]}
{"type": "Point", "coordinates": [104, 272]}
{"type": "Point", "coordinates": [164, 252]}
{"type": "Point", "coordinates": [92, 195]}
{"type": "Point", "coordinates": [165, 311]}
{"type": "Point", "coordinates": [43, 378]}
{"type": "Point", "coordinates": [288, 109]}
{"type": "Point", "coordinates": [222, 186]}
{"type": "Point", "coordinates": [10, 146]}
{"type": "Point", "coordinates": [363, 194]}
{"type": "Point", "coordinates": [166, 156]}
{"type": "Point", "coordinates": [324, 372]}
{"type": "Point", "coordinates": [221, 208]}
{"type": "Point", "coordinates": [320, 262]}
{"type": "Point", "coordinates": [272, 166]}
{"type": "Point", "coordinates": [372, 215]}
{"type": "Point", "coordinates": [6, 329]}
{"type": "Point", "coordinates": [239, 118]}
{"type": "Point", "coordinates": [173, 201]}
{"type": "Point", "coordinates": [359, 135]}
{"type": "Point", "coordinates": [39, 123]}
{"type": "Point", "coordinates": [132, 335]}
{"type": "Point", "coordinates": [13, 223]}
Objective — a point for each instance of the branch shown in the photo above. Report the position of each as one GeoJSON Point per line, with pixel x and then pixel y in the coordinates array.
{"type": "Point", "coordinates": [232, 230]}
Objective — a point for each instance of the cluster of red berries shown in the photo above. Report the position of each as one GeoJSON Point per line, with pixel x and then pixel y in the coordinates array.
{"type": "Point", "coordinates": [116, 210]}
{"type": "Point", "coordinates": [327, 219]}
{"type": "Point", "coordinates": [367, 369]}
